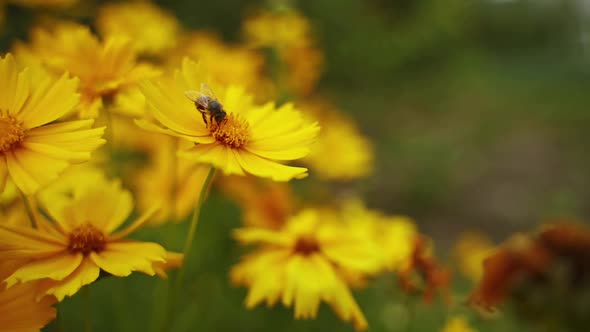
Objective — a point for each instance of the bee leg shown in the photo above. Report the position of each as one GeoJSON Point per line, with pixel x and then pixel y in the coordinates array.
{"type": "Point", "coordinates": [205, 119]}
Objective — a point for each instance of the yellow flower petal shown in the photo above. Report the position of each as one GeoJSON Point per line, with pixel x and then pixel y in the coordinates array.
{"type": "Point", "coordinates": [55, 267]}
{"type": "Point", "coordinates": [123, 257]}
{"type": "Point", "coordinates": [216, 154]}
{"type": "Point", "coordinates": [262, 167]}
{"type": "Point", "coordinates": [86, 273]}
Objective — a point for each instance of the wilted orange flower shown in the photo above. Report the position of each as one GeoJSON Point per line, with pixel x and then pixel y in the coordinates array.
{"type": "Point", "coordinates": [525, 261]}
{"type": "Point", "coordinates": [67, 46]}
{"type": "Point", "coordinates": [250, 139]}
{"type": "Point", "coordinates": [83, 239]}
{"type": "Point", "coordinates": [34, 149]}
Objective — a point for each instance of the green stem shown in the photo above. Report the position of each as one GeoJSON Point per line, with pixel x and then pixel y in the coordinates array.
{"type": "Point", "coordinates": [87, 310]}
{"type": "Point", "coordinates": [175, 289]}
{"type": "Point", "coordinates": [28, 208]}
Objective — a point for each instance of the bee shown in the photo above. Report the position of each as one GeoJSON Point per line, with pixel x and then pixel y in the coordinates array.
{"type": "Point", "coordinates": [207, 104]}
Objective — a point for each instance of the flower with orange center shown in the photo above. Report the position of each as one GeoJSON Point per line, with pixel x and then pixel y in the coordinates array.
{"type": "Point", "coordinates": [69, 252]}
{"type": "Point", "coordinates": [250, 138]}
{"type": "Point", "coordinates": [34, 149]}
{"type": "Point", "coordinates": [104, 68]}
{"type": "Point", "coordinates": [304, 263]}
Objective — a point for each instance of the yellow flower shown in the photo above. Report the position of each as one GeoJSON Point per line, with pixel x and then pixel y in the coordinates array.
{"type": "Point", "coordinates": [457, 324]}
{"type": "Point", "coordinates": [175, 182]}
{"type": "Point", "coordinates": [250, 139]}
{"type": "Point", "coordinates": [276, 29]}
{"type": "Point", "coordinates": [225, 63]}
{"type": "Point", "coordinates": [83, 239]}
{"type": "Point", "coordinates": [34, 149]}
{"type": "Point", "coordinates": [20, 310]}
{"type": "Point", "coordinates": [104, 68]}
{"type": "Point", "coordinates": [340, 140]}
{"type": "Point", "coordinates": [264, 203]}
{"type": "Point", "coordinates": [151, 29]}
{"type": "Point", "coordinates": [470, 252]}
{"type": "Point", "coordinates": [302, 263]}
{"type": "Point", "coordinates": [394, 235]}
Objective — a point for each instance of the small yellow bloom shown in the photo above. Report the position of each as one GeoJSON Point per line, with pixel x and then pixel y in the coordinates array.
{"type": "Point", "coordinates": [302, 263]}
{"type": "Point", "coordinates": [264, 203]}
{"type": "Point", "coordinates": [341, 152]}
{"type": "Point", "coordinates": [104, 67]}
{"type": "Point", "coordinates": [276, 29]}
{"type": "Point", "coordinates": [83, 239]}
{"type": "Point", "coordinates": [151, 29]}
{"type": "Point", "coordinates": [34, 149]}
{"type": "Point", "coordinates": [226, 63]}
{"type": "Point", "coordinates": [20, 310]}
{"type": "Point", "coordinates": [470, 252]}
{"type": "Point", "coordinates": [251, 139]}
{"type": "Point", "coordinates": [457, 324]}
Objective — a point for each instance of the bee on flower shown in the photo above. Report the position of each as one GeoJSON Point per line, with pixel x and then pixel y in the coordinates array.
{"type": "Point", "coordinates": [83, 238]}
{"type": "Point", "coordinates": [228, 130]}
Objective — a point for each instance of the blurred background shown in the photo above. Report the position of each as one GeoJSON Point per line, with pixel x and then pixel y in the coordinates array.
{"type": "Point", "coordinates": [478, 113]}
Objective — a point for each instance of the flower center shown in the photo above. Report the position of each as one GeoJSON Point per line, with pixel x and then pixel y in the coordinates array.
{"type": "Point", "coordinates": [306, 246]}
{"type": "Point", "coordinates": [233, 131]}
{"type": "Point", "coordinates": [86, 239]}
{"type": "Point", "coordinates": [11, 132]}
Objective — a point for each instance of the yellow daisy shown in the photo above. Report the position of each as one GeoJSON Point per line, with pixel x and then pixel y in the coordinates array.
{"type": "Point", "coordinates": [340, 140]}
{"type": "Point", "coordinates": [21, 311]}
{"type": "Point", "coordinates": [151, 29]}
{"type": "Point", "coordinates": [33, 149]}
{"type": "Point", "coordinates": [250, 139]}
{"type": "Point", "coordinates": [301, 265]}
{"type": "Point", "coordinates": [72, 47]}
{"type": "Point", "coordinates": [225, 63]}
{"type": "Point", "coordinates": [82, 239]}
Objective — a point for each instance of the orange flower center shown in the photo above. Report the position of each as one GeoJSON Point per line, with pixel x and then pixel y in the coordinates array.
{"type": "Point", "coordinates": [86, 239]}
{"type": "Point", "coordinates": [11, 132]}
{"type": "Point", "coordinates": [233, 131]}
{"type": "Point", "coordinates": [306, 246]}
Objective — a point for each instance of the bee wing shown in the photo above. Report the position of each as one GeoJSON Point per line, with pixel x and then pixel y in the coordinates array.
{"type": "Point", "coordinates": [206, 91]}
{"type": "Point", "coordinates": [193, 95]}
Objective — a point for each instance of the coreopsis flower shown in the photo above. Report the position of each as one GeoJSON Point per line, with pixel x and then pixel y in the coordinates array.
{"type": "Point", "coordinates": [276, 29]}
{"type": "Point", "coordinates": [250, 138]}
{"type": "Point", "coordinates": [21, 310]}
{"type": "Point", "coordinates": [226, 63]}
{"type": "Point", "coordinates": [340, 139]}
{"type": "Point", "coordinates": [83, 237]}
{"type": "Point", "coordinates": [151, 29]}
{"type": "Point", "coordinates": [470, 252]}
{"type": "Point", "coordinates": [457, 324]}
{"type": "Point", "coordinates": [305, 263]}
{"type": "Point", "coordinates": [34, 149]}
{"type": "Point", "coordinates": [68, 46]}
{"type": "Point", "coordinates": [263, 203]}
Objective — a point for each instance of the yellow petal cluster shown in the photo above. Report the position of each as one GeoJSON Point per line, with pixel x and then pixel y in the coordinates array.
{"type": "Point", "coordinates": [34, 149]}
{"type": "Point", "coordinates": [304, 264]}
{"type": "Point", "coordinates": [151, 29]}
{"type": "Point", "coordinates": [83, 238]}
{"type": "Point", "coordinates": [67, 46]}
{"type": "Point", "coordinates": [252, 139]}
